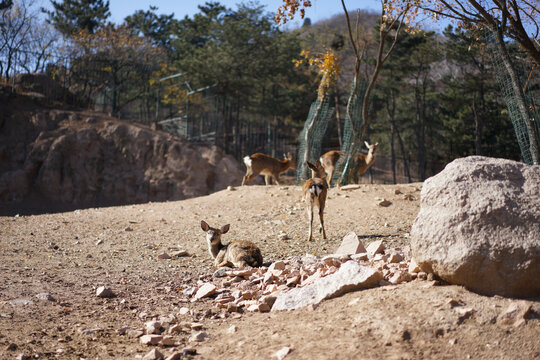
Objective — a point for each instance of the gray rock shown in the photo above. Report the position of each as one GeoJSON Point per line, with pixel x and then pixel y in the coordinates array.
{"type": "Point", "coordinates": [350, 276]}
{"type": "Point", "coordinates": [21, 302]}
{"type": "Point", "coordinates": [45, 296]}
{"type": "Point", "coordinates": [479, 226]}
{"type": "Point", "coordinates": [350, 245]}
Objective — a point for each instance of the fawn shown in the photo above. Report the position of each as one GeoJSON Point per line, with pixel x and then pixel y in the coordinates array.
{"type": "Point", "coordinates": [315, 191]}
{"type": "Point", "coordinates": [266, 165]}
{"type": "Point", "coordinates": [238, 254]}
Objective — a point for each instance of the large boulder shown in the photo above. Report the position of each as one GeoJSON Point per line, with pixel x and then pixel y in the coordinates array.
{"type": "Point", "coordinates": [479, 226]}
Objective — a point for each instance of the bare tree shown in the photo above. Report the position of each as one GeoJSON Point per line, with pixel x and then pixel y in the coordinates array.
{"type": "Point", "coordinates": [517, 19]}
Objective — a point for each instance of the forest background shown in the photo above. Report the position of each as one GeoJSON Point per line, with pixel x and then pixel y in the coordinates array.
{"type": "Point", "coordinates": [229, 76]}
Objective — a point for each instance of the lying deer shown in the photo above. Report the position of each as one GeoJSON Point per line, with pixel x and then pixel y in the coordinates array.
{"type": "Point", "coordinates": [329, 160]}
{"type": "Point", "coordinates": [266, 165]}
{"type": "Point", "coordinates": [315, 190]}
{"type": "Point", "coordinates": [238, 254]}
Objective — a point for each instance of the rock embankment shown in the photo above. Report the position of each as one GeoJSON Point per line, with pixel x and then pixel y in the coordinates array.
{"type": "Point", "coordinates": [85, 159]}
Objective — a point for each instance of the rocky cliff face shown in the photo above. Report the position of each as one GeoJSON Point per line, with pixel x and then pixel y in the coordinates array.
{"type": "Point", "coordinates": [82, 159]}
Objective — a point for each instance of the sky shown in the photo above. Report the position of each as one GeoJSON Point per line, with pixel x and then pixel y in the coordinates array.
{"type": "Point", "coordinates": [320, 9]}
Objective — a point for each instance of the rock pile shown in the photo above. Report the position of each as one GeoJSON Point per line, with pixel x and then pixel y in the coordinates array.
{"type": "Point", "coordinates": [300, 281]}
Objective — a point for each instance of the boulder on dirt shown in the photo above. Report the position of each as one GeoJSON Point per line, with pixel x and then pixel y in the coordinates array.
{"type": "Point", "coordinates": [350, 276]}
{"type": "Point", "coordinates": [479, 226]}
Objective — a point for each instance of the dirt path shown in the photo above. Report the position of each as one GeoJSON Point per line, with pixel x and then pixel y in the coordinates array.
{"type": "Point", "coordinates": [69, 255]}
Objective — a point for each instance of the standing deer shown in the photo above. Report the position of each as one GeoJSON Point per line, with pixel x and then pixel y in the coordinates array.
{"type": "Point", "coordinates": [329, 160]}
{"type": "Point", "coordinates": [266, 165]}
{"type": "Point", "coordinates": [315, 191]}
{"type": "Point", "coordinates": [239, 254]}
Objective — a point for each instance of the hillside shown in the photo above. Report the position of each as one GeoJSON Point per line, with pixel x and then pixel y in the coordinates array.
{"type": "Point", "coordinates": [55, 157]}
{"type": "Point", "coordinates": [65, 257]}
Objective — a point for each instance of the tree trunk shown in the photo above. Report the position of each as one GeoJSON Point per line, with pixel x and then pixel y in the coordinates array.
{"type": "Point", "coordinates": [338, 119]}
{"type": "Point", "coordinates": [519, 95]}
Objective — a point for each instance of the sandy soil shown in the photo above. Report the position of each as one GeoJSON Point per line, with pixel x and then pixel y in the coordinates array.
{"type": "Point", "coordinates": [68, 255]}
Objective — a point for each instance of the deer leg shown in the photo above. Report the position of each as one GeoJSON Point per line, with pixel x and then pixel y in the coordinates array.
{"type": "Point", "coordinates": [267, 180]}
{"type": "Point", "coordinates": [310, 217]}
{"type": "Point", "coordinates": [276, 178]}
{"type": "Point", "coordinates": [321, 219]}
{"type": "Point", "coordinates": [247, 178]}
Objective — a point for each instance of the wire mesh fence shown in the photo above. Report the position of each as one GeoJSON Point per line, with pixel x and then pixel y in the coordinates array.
{"type": "Point", "coordinates": [310, 139]}
{"type": "Point", "coordinates": [511, 99]}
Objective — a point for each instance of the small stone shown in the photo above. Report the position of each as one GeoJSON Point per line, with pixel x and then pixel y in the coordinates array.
{"type": "Point", "coordinates": [221, 272]}
{"type": "Point", "coordinates": [278, 265]}
{"type": "Point", "coordinates": [183, 311]}
{"type": "Point", "coordinates": [176, 328]}
{"type": "Point", "coordinates": [232, 329]}
{"type": "Point", "coordinates": [179, 253]}
{"type": "Point", "coordinates": [263, 308]}
{"type": "Point", "coordinates": [21, 302]}
{"type": "Point", "coordinates": [23, 357]}
{"type": "Point", "coordinates": [293, 280]}
{"type": "Point", "coordinates": [397, 192]}
{"type": "Point", "coordinates": [463, 313]}
{"type": "Point", "coordinates": [134, 333]}
{"type": "Point", "coordinates": [99, 242]}
{"type": "Point", "coordinates": [205, 290]}
{"type": "Point", "coordinates": [283, 236]}
{"type": "Point", "coordinates": [360, 257]}
{"type": "Point", "coordinates": [189, 351]}
{"type": "Point", "coordinates": [164, 256]}
{"type": "Point", "coordinates": [167, 341]}
{"type": "Point", "coordinates": [268, 300]}
{"type": "Point", "coordinates": [375, 247]}
{"type": "Point", "coordinates": [104, 292]}
{"type": "Point", "coordinates": [395, 258]}
{"type": "Point", "coordinates": [198, 337]}
{"type": "Point", "coordinates": [515, 313]}
{"type": "Point", "coordinates": [153, 327]}
{"type": "Point", "coordinates": [452, 341]}
{"type": "Point", "coordinates": [174, 356]}
{"type": "Point", "coordinates": [45, 296]}
{"type": "Point", "coordinates": [150, 339]}
{"type": "Point", "coordinates": [282, 353]}
{"type": "Point", "coordinates": [90, 331]}
{"type": "Point", "coordinates": [154, 354]}
{"type": "Point", "coordinates": [413, 267]}
{"type": "Point", "coordinates": [230, 188]}
{"type": "Point", "coordinates": [400, 277]}
{"type": "Point", "coordinates": [196, 326]}
{"type": "Point", "coordinates": [350, 245]}
{"type": "Point", "coordinates": [384, 203]}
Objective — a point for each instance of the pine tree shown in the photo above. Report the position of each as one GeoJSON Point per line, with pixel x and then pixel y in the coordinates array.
{"type": "Point", "coordinates": [70, 16]}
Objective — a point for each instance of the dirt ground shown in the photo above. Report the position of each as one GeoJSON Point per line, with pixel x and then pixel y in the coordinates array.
{"type": "Point", "coordinates": [68, 255]}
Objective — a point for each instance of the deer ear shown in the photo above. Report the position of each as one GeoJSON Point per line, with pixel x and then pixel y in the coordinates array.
{"type": "Point", "coordinates": [204, 225]}
{"type": "Point", "coordinates": [311, 166]}
{"type": "Point", "coordinates": [225, 228]}
{"type": "Point", "coordinates": [367, 145]}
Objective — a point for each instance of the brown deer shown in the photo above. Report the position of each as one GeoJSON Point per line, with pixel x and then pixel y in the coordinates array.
{"type": "Point", "coordinates": [266, 165]}
{"type": "Point", "coordinates": [239, 254]}
{"type": "Point", "coordinates": [329, 160]}
{"type": "Point", "coordinates": [315, 191]}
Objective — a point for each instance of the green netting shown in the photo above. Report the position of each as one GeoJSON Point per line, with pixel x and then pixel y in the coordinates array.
{"type": "Point", "coordinates": [352, 143]}
{"type": "Point", "coordinates": [310, 138]}
{"type": "Point", "coordinates": [520, 127]}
